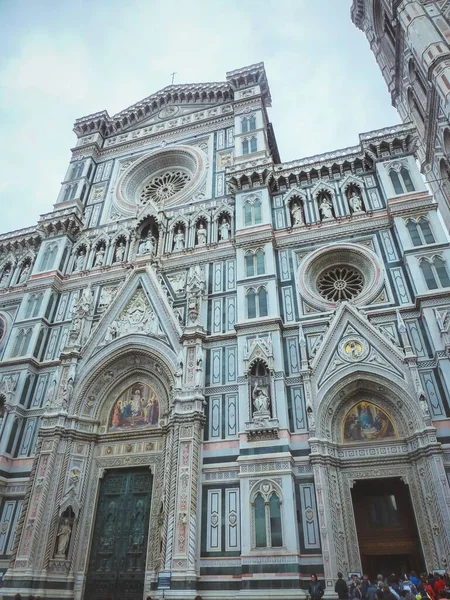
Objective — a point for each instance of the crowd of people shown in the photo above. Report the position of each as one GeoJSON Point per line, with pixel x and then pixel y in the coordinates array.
{"type": "Point", "coordinates": [431, 586]}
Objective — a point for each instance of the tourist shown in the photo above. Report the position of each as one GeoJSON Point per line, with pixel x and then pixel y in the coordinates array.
{"type": "Point", "coordinates": [388, 594]}
{"type": "Point", "coordinates": [426, 590]}
{"type": "Point", "coordinates": [357, 590]}
{"type": "Point", "coordinates": [365, 585]}
{"type": "Point", "coordinates": [371, 593]}
{"type": "Point", "coordinates": [414, 579]}
{"type": "Point", "coordinates": [439, 585]}
{"type": "Point", "coordinates": [341, 588]}
{"type": "Point", "coordinates": [315, 590]}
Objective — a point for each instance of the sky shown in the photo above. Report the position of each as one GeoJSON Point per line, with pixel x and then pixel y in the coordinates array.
{"type": "Point", "coordinates": [62, 60]}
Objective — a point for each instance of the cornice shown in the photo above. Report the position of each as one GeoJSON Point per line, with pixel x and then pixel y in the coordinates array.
{"type": "Point", "coordinates": [319, 233]}
{"type": "Point", "coordinates": [158, 139]}
{"type": "Point", "coordinates": [411, 203]}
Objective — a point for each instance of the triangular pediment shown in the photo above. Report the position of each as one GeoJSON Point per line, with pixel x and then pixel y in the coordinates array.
{"type": "Point", "coordinates": [352, 343]}
{"type": "Point", "coordinates": [141, 308]}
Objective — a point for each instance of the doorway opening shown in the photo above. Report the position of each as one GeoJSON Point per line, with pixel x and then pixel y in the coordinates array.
{"type": "Point", "coordinates": [119, 543]}
{"type": "Point", "coordinates": [386, 526]}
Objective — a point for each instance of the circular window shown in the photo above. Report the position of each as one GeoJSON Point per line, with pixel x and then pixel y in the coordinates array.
{"type": "Point", "coordinates": [163, 186]}
{"type": "Point", "coordinates": [165, 178]}
{"type": "Point", "coordinates": [333, 274]}
{"type": "Point", "coordinates": [340, 283]}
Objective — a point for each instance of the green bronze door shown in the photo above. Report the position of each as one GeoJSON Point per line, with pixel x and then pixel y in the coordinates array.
{"type": "Point", "coordinates": [119, 543]}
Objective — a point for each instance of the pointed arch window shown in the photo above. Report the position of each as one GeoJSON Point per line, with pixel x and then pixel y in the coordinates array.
{"type": "Point", "coordinates": [401, 180]}
{"type": "Point", "coordinates": [248, 124]}
{"type": "Point", "coordinates": [435, 273]}
{"type": "Point", "coordinates": [249, 145]}
{"type": "Point", "coordinates": [252, 212]}
{"type": "Point", "coordinates": [257, 303]}
{"type": "Point", "coordinates": [254, 263]}
{"type": "Point", "coordinates": [267, 520]}
{"type": "Point", "coordinates": [420, 232]}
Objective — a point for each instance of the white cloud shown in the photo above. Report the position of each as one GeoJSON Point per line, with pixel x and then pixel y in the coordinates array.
{"type": "Point", "coordinates": [325, 85]}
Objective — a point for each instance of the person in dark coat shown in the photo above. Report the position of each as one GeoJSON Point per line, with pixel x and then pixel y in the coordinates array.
{"type": "Point", "coordinates": [341, 588]}
{"type": "Point", "coordinates": [315, 590]}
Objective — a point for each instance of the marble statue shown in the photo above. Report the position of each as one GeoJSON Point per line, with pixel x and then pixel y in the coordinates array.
{"type": "Point", "coordinates": [297, 214]}
{"type": "Point", "coordinates": [63, 537]}
{"type": "Point", "coordinates": [99, 257]}
{"type": "Point", "coordinates": [120, 253]}
{"type": "Point", "coordinates": [355, 203]}
{"type": "Point", "coordinates": [201, 235]}
{"type": "Point", "coordinates": [260, 398]}
{"type": "Point", "coordinates": [326, 209]}
{"type": "Point", "coordinates": [24, 273]}
{"type": "Point", "coordinates": [224, 230]}
{"type": "Point", "coordinates": [179, 240]}
{"type": "Point", "coordinates": [150, 244]}
{"type": "Point", "coordinates": [5, 276]}
{"type": "Point", "coordinates": [79, 262]}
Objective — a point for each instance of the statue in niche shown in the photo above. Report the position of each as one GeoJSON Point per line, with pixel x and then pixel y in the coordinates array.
{"type": "Point", "coordinates": [99, 257]}
{"type": "Point", "coordinates": [260, 397]}
{"type": "Point", "coordinates": [297, 214]}
{"type": "Point", "coordinates": [224, 230]}
{"type": "Point", "coordinates": [79, 262]}
{"type": "Point", "coordinates": [150, 244]}
{"type": "Point", "coordinates": [355, 202]}
{"type": "Point", "coordinates": [120, 253]}
{"type": "Point", "coordinates": [67, 394]}
{"type": "Point", "coordinates": [199, 367]}
{"type": "Point", "coordinates": [326, 208]}
{"type": "Point", "coordinates": [63, 537]}
{"type": "Point", "coordinates": [179, 240]}
{"type": "Point", "coordinates": [24, 274]}
{"type": "Point", "coordinates": [201, 235]}
{"type": "Point", "coordinates": [5, 276]}
{"type": "Point", "coordinates": [50, 393]}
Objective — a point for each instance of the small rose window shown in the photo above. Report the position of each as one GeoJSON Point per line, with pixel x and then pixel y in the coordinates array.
{"type": "Point", "coordinates": [340, 283]}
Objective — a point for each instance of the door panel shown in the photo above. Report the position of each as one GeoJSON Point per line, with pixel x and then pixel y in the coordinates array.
{"type": "Point", "coordinates": [119, 542]}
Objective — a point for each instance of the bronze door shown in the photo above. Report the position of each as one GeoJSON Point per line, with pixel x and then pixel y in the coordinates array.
{"type": "Point", "coordinates": [119, 543]}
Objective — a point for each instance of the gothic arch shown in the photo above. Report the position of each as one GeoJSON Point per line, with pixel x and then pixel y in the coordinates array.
{"type": "Point", "coordinates": [334, 403]}
{"type": "Point", "coordinates": [116, 366]}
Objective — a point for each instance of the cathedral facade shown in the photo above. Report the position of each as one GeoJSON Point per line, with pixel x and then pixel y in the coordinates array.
{"type": "Point", "coordinates": [220, 372]}
{"type": "Point", "coordinates": [411, 43]}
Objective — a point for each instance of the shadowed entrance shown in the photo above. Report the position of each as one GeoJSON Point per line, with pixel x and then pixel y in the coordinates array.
{"type": "Point", "coordinates": [386, 527]}
{"type": "Point", "coordinates": [119, 544]}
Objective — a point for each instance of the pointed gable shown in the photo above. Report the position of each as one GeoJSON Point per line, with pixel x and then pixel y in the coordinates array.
{"type": "Point", "coordinates": [351, 341]}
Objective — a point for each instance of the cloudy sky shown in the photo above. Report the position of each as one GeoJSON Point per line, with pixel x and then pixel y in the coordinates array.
{"type": "Point", "coordinates": [62, 60]}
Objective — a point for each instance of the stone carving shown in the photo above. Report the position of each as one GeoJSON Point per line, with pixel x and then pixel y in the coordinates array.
{"type": "Point", "coordinates": [119, 253]}
{"type": "Point", "coordinates": [50, 393]}
{"type": "Point", "coordinates": [202, 235]}
{"type": "Point", "coordinates": [147, 245]}
{"type": "Point", "coordinates": [81, 309]}
{"type": "Point", "coordinates": [224, 230]}
{"type": "Point", "coordinates": [106, 297]}
{"type": "Point", "coordinates": [8, 384]}
{"type": "Point", "coordinates": [79, 261]}
{"type": "Point", "coordinates": [260, 399]}
{"type": "Point", "coordinates": [5, 276]}
{"type": "Point", "coordinates": [355, 202]}
{"type": "Point", "coordinates": [326, 208]}
{"type": "Point", "coordinates": [179, 240]}
{"type": "Point", "coordinates": [199, 367]}
{"type": "Point", "coordinates": [63, 537]}
{"type": "Point", "coordinates": [137, 317]}
{"type": "Point", "coordinates": [352, 349]}
{"type": "Point", "coordinates": [99, 257]}
{"type": "Point", "coordinates": [297, 214]}
{"type": "Point", "coordinates": [25, 273]}
{"type": "Point", "coordinates": [67, 394]}
{"type": "Point", "coordinates": [178, 282]}
{"type": "Point", "coordinates": [179, 372]}
{"type": "Point", "coordinates": [195, 289]}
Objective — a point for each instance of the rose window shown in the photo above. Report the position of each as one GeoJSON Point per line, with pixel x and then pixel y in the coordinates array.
{"type": "Point", "coordinates": [163, 186]}
{"type": "Point", "coordinates": [340, 283]}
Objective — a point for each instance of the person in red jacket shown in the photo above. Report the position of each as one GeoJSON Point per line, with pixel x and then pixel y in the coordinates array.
{"type": "Point", "coordinates": [439, 585]}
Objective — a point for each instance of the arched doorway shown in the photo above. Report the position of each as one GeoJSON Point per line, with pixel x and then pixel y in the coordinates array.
{"type": "Point", "coordinates": [373, 494]}
{"type": "Point", "coordinates": [121, 529]}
